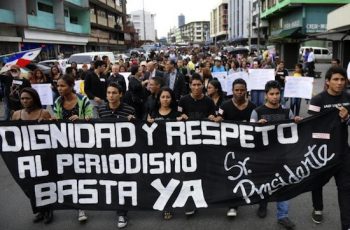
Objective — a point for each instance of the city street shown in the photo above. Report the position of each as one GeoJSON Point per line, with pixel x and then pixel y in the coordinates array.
{"type": "Point", "coordinates": [16, 212]}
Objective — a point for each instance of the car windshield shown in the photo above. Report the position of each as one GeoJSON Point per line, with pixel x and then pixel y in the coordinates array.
{"type": "Point", "coordinates": [80, 59]}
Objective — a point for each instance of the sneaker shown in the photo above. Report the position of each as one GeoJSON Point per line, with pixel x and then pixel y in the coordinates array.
{"type": "Point", "coordinates": [317, 216]}
{"type": "Point", "coordinates": [232, 212]}
{"type": "Point", "coordinates": [82, 216]}
{"type": "Point", "coordinates": [38, 217]}
{"type": "Point", "coordinates": [286, 223]}
{"type": "Point", "coordinates": [262, 212]}
{"type": "Point", "coordinates": [122, 221]}
{"type": "Point", "coordinates": [48, 216]}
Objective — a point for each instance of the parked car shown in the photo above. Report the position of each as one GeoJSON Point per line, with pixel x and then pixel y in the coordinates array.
{"type": "Point", "coordinates": [321, 54]}
{"type": "Point", "coordinates": [33, 66]}
{"type": "Point", "coordinates": [87, 58]}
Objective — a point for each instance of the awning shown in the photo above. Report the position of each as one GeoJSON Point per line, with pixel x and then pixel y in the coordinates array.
{"type": "Point", "coordinates": [294, 33]}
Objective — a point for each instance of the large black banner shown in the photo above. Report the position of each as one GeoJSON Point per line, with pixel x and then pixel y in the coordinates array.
{"type": "Point", "coordinates": [105, 164]}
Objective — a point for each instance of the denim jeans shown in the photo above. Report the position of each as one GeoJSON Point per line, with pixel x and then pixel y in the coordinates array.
{"type": "Point", "coordinates": [282, 209]}
{"type": "Point", "coordinates": [257, 97]}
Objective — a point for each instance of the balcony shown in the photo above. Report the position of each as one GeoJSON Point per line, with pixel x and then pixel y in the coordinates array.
{"type": "Point", "coordinates": [121, 42]}
{"type": "Point", "coordinates": [7, 16]}
{"type": "Point", "coordinates": [111, 3]}
{"type": "Point", "coordinates": [42, 20]}
{"type": "Point", "coordinates": [111, 23]}
{"type": "Point", "coordinates": [74, 28]}
{"type": "Point", "coordinates": [101, 20]}
{"type": "Point", "coordinates": [103, 1]}
{"type": "Point", "coordinates": [103, 40]}
{"type": "Point", "coordinates": [93, 18]}
{"type": "Point", "coordinates": [93, 39]}
{"type": "Point", "coordinates": [112, 41]}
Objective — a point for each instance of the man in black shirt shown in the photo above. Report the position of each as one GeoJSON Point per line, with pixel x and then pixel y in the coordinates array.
{"type": "Point", "coordinates": [335, 96]}
{"type": "Point", "coordinates": [239, 108]}
{"type": "Point", "coordinates": [281, 74]}
{"type": "Point", "coordinates": [273, 111]}
{"type": "Point", "coordinates": [13, 84]}
{"type": "Point", "coordinates": [95, 85]}
{"type": "Point", "coordinates": [154, 86]}
{"type": "Point", "coordinates": [117, 78]}
{"type": "Point", "coordinates": [196, 105]}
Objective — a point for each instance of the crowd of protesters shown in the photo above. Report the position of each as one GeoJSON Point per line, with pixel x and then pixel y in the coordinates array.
{"type": "Point", "coordinates": [175, 85]}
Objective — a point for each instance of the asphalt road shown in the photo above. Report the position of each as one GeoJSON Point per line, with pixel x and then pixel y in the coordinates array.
{"type": "Point", "coordinates": [15, 211]}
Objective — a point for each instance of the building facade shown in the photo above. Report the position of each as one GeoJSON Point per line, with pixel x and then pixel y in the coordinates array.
{"type": "Point", "coordinates": [292, 21]}
{"type": "Point", "coordinates": [196, 32]}
{"type": "Point", "coordinates": [240, 20]}
{"type": "Point", "coordinates": [144, 24]}
{"type": "Point", "coordinates": [107, 18]}
{"type": "Point", "coordinates": [219, 22]}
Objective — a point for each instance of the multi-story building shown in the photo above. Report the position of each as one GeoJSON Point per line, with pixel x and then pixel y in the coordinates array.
{"type": "Point", "coordinates": [61, 26]}
{"type": "Point", "coordinates": [56, 26]}
{"type": "Point", "coordinates": [259, 26]}
{"type": "Point", "coordinates": [181, 20]}
{"type": "Point", "coordinates": [219, 22]}
{"type": "Point", "coordinates": [130, 35]}
{"type": "Point", "coordinates": [144, 24]}
{"type": "Point", "coordinates": [107, 18]}
{"type": "Point", "coordinates": [240, 21]}
{"type": "Point", "coordinates": [291, 21]}
{"type": "Point", "coordinates": [193, 32]}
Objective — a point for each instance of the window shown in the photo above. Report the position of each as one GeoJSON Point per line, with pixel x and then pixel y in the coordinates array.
{"type": "Point", "coordinates": [325, 52]}
{"type": "Point", "coordinates": [101, 13]}
{"type": "Point", "coordinates": [74, 19]}
{"type": "Point", "coordinates": [45, 8]}
{"type": "Point", "coordinates": [317, 51]}
{"type": "Point", "coordinates": [66, 13]}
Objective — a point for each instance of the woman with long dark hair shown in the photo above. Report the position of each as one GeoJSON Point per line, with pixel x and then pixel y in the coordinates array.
{"type": "Point", "coordinates": [214, 91]}
{"type": "Point", "coordinates": [32, 111]}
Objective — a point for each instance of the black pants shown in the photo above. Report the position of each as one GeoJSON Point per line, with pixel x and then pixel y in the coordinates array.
{"type": "Point", "coordinates": [311, 69]}
{"type": "Point", "coordinates": [342, 179]}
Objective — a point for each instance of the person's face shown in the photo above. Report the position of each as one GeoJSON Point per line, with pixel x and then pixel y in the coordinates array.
{"type": "Point", "coordinates": [165, 99]}
{"type": "Point", "coordinates": [115, 69]}
{"type": "Point", "coordinates": [297, 69]}
{"type": "Point", "coordinates": [168, 66]}
{"type": "Point", "coordinates": [38, 75]}
{"type": "Point", "coordinates": [334, 64]}
{"type": "Point", "coordinates": [196, 87]}
{"type": "Point", "coordinates": [233, 65]}
{"type": "Point", "coordinates": [180, 63]}
{"type": "Point", "coordinates": [74, 65]}
{"type": "Point", "coordinates": [85, 68]}
{"type": "Point", "coordinates": [211, 90]}
{"type": "Point", "coordinates": [63, 88]}
{"type": "Point", "coordinates": [218, 63]}
{"type": "Point", "coordinates": [273, 96]}
{"type": "Point", "coordinates": [336, 84]}
{"type": "Point", "coordinates": [153, 86]}
{"type": "Point", "coordinates": [122, 69]}
{"type": "Point", "coordinates": [101, 68]}
{"type": "Point", "coordinates": [113, 94]}
{"type": "Point", "coordinates": [150, 67]}
{"type": "Point", "coordinates": [14, 72]}
{"type": "Point", "coordinates": [54, 70]}
{"type": "Point", "coordinates": [255, 65]}
{"type": "Point", "coordinates": [281, 65]}
{"type": "Point", "coordinates": [26, 100]}
{"type": "Point", "coordinates": [239, 92]}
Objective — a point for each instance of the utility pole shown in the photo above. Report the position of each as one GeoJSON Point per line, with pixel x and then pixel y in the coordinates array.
{"type": "Point", "coordinates": [258, 40]}
{"type": "Point", "coordinates": [144, 20]}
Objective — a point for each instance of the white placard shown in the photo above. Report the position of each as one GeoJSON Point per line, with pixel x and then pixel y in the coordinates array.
{"type": "Point", "coordinates": [77, 87]}
{"type": "Point", "coordinates": [45, 93]}
{"type": "Point", "coordinates": [126, 75]}
{"type": "Point", "coordinates": [231, 78]}
{"type": "Point", "coordinates": [221, 76]}
{"type": "Point", "coordinates": [299, 87]}
{"type": "Point", "coordinates": [259, 77]}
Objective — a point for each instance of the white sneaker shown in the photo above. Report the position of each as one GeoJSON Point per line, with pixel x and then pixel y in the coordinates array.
{"type": "Point", "coordinates": [81, 216]}
{"type": "Point", "coordinates": [122, 221]}
{"type": "Point", "coordinates": [232, 212]}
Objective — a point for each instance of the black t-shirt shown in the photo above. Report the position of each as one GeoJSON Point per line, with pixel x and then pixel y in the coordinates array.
{"type": "Point", "coordinates": [324, 101]}
{"type": "Point", "coordinates": [281, 74]}
{"type": "Point", "coordinates": [196, 109]}
{"type": "Point", "coordinates": [159, 117]}
{"type": "Point", "coordinates": [228, 111]}
{"type": "Point", "coordinates": [269, 114]}
{"type": "Point", "coordinates": [95, 86]}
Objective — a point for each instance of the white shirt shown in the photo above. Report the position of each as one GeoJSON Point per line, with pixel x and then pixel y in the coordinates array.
{"type": "Point", "coordinates": [348, 70]}
{"type": "Point", "coordinates": [311, 57]}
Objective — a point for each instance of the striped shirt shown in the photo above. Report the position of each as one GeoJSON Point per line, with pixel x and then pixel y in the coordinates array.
{"type": "Point", "coordinates": [123, 111]}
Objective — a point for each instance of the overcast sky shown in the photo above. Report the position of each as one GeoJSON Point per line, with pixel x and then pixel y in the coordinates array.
{"type": "Point", "coordinates": [167, 11]}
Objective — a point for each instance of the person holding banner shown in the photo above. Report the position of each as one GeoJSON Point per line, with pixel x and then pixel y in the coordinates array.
{"type": "Point", "coordinates": [115, 108]}
{"type": "Point", "coordinates": [32, 111]}
{"type": "Point", "coordinates": [335, 96]}
{"type": "Point", "coordinates": [239, 108]}
{"type": "Point", "coordinates": [273, 111]}
{"type": "Point", "coordinates": [214, 91]}
{"type": "Point", "coordinates": [71, 106]}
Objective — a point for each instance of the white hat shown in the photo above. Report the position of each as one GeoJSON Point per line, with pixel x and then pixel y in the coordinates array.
{"type": "Point", "coordinates": [217, 58]}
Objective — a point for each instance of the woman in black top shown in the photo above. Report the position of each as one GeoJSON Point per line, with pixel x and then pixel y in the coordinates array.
{"type": "Point", "coordinates": [32, 110]}
{"type": "Point", "coordinates": [214, 91]}
{"type": "Point", "coordinates": [165, 108]}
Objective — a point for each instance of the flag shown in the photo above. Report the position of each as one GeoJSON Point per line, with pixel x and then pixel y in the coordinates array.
{"type": "Point", "coordinates": [22, 58]}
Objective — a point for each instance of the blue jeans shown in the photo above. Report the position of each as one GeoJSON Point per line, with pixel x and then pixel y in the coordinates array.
{"type": "Point", "coordinates": [257, 97]}
{"type": "Point", "coordinates": [282, 209]}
